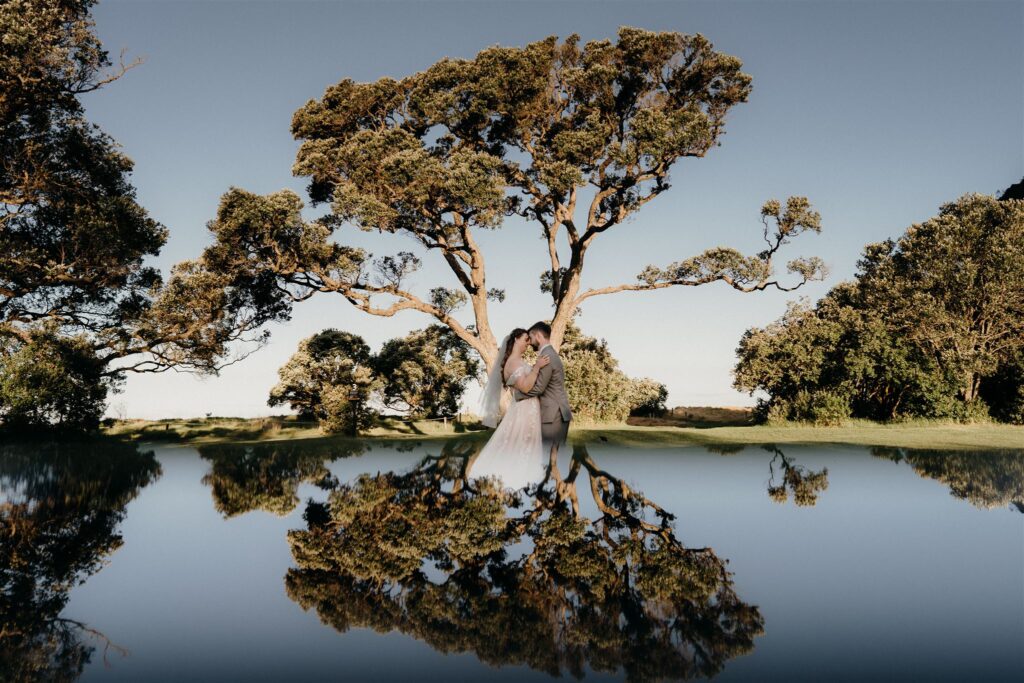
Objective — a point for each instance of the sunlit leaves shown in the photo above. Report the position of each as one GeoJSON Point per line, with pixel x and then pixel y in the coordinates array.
{"type": "Point", "coordinates": [425, 373]}
{"type": "Point", "coordinates": [52, 380]}
{"type": "Point", "coordinates": [320, 376]}
{"type": "Point", "coordinates": [933, 321]}
{"type": "Point", "coordinates": [447, 300]}
{"type": "Point", "coordinates": [749, 273]}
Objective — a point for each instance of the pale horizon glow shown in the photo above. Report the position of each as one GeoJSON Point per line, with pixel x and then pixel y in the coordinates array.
{"type": "Point", "coordinates": [878, 112]}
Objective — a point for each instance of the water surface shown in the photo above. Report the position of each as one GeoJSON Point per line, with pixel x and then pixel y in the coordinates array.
{"type": "Point", "coordinates": [381, 561]}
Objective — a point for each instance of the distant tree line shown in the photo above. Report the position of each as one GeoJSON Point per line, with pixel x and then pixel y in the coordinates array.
{"type": "Point", "coordinates": [931, 326]}
{"type": "Point", "coordinates": [334, 378]}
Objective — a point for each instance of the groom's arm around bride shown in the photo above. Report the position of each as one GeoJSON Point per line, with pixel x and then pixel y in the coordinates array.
{"type": "Point", "coordinates": [555, 414]}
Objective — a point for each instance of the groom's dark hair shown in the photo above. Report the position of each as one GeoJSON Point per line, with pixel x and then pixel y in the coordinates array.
{"type": "Point", "coordinates": [541, 327]}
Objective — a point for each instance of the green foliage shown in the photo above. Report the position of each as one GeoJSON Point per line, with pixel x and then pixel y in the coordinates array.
{"type": "Point", "coordinates": [458, 147]}
{"type": "Point", "coordinates": [647, 397]}
{"type": "Point", "coordinates": [322, 377]}
{"type": "Point", "coordinates": [933, 326]}
{"type": "Point", "coordinates": [73, 238]}
{"type": "Point", "coordinates": [954, 286]}
{"type": "Point", "coordinates": [425, 373]}
{"type": "Point", "coordinates": [365, 142]}
{"type": "Point", "coordinates": [334, 378]}
{"type": "Point", "coordinates": [53, 381]}
{"type": "Point", "coordinates": [1004, 390]}
{"type": "Point", "coordinates": [822, 407]}
{"type": "Point", "coordinates": [600, 392]}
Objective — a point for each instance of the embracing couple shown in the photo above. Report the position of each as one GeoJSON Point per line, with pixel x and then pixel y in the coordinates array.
{"type": "Point", "coordinates": [537, 421]}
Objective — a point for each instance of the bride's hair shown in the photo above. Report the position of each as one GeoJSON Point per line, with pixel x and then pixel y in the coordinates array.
{"type": "Point", "coordinates": [515, 334]}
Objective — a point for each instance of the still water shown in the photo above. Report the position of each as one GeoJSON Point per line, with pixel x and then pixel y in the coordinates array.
{"type": "Point", "coordinates": [309, 561]}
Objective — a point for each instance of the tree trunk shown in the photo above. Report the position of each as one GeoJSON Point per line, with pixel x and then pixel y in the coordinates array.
{"type": "Point", "coordinates": [970, 390]}
{"type": "Point", "coordinates": [565, 308]}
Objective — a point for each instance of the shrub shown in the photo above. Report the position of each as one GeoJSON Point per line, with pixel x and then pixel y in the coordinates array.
{"type": "Point", "coordinates": [52, 382]}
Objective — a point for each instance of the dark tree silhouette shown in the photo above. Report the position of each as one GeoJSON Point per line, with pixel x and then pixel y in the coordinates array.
{"type": "Point", "coordinates": [58, 523]}
{"type": "Point", "coordinates": [804, 485]}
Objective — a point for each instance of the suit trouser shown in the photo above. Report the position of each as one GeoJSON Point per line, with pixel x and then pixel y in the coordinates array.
{"type": "Point", "coordinates": [554, 434]}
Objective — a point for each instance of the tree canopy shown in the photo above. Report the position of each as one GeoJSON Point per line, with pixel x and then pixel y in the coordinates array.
{"type": "Point", "coordinates": [51, 381]}
{"type": "Point", "coordinates": [73, 237]}
{"type": "Point", "coordinates": [597, 389]}
{"type": "Point", "coordinates": [421, 375]}
{"type": "Point", "coordinates": [425, 373]}
{"type": "Point", "coordinates": [933, 326]}
{"type": "Point", "coordinates": [524, 133]}
{"type": "Point", "coordinates": [319, 376]}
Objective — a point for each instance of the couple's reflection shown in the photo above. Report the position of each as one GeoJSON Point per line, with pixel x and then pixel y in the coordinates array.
{"type": "Point", "coordinates": [60, 506]}
{"type": "Point", "coordinates": [521, 577]}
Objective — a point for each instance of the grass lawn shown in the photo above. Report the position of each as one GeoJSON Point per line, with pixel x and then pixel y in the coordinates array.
{"type": "Point", "coordinates": [728, 431]}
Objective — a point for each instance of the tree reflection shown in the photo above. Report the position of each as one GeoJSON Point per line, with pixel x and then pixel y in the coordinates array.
{"type": "Point", "coordinates": [520, 578]}
{"type": "Point", "coordinates": [60, 505]}
{"type": "Point", "coordinates": [266, 477]}
{"type": "Point", "coordinates": [985, 479]}
{"type": "Point", "coordinates": [804, 485]}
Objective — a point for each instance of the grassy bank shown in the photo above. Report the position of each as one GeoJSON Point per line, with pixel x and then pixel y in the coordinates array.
{"type": "Point", "coordinates": [941, 436]}
{"type": "Point", "coordinates": [919, 434]}
{"type": "Point", "coordinates": [235, 429]}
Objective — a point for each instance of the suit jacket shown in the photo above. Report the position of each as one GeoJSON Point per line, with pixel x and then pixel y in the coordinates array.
{"type": "Point", "coordinates": [550, 387]}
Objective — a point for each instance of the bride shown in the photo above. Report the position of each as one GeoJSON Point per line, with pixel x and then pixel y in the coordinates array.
{"type": "Point", "coordinates": [514, 453]}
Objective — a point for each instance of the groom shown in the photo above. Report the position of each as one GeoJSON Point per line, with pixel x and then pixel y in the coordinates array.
{"type": "Point", "coordinates": [550, 387]}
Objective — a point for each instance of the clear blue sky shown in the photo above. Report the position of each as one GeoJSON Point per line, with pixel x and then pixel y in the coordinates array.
{"type": "Point", "coordinates": [877, 111]}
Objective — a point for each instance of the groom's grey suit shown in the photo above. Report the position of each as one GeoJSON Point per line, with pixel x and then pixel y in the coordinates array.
{"type": "Point", "coordinates": [554, 402]}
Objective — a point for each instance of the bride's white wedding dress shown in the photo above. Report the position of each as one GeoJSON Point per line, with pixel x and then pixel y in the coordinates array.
{"type": "Point", "coordinates": [514, 453]}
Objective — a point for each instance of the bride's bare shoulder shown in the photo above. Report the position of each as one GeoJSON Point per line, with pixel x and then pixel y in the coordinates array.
{"type": "Point", "coordinates": [511, 366]}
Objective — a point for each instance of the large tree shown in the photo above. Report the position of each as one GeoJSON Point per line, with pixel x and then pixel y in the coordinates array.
{"type": "Point", "coordinates": [573, 139]}
{"type": "Point", "coordinates": [425, 373]}
{"type": "Point", "coordinates": [954, 286]}
{"type": "Point", "coordinates": [933, 325]}
{"type": "Point", "coordinates": [422, 375]}
{"type": "Point", "coordinates": [73, 238]}
{"type": "Point", "coordinates": [326, 363]}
